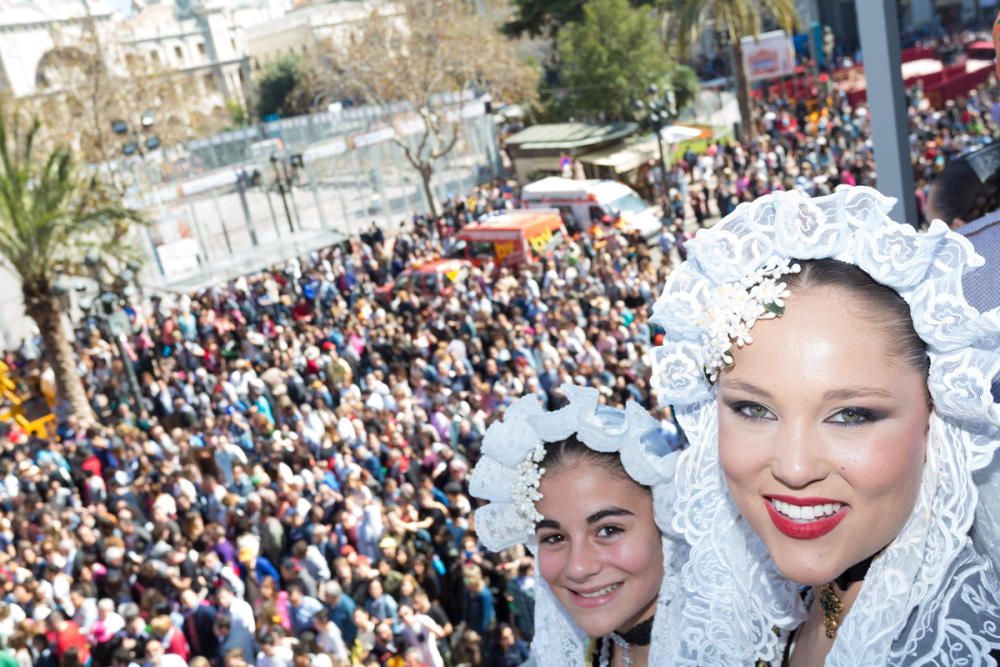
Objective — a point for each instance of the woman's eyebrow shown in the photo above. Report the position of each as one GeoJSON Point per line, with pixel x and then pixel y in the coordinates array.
{"type": "Point", "coordinates": [856, 392]}
{"type": "Point", "coordinates": [546, 523]}
{"type": "Point", "coordinates": [605, 513]}
{"type": "Point", "coordinates": [743, 385]}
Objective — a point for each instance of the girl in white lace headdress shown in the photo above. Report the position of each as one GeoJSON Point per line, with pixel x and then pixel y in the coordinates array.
{"type": "Point", "coordinates": [835, 386]}
{"type": "Point", "coordinates": [577, 487]}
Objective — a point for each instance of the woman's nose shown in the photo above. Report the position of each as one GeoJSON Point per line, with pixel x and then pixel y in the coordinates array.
{"type": "Point", "coordinates": [798, 457]}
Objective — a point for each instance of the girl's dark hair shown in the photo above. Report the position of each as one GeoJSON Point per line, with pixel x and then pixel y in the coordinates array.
{"type": "Point", "coordinates": [571, 450]}
{"type": "Point", "coordinates": [883, 303]}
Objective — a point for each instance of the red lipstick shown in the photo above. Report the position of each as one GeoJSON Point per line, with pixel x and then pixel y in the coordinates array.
{"type": "Point", "coordinates": [804, 530]}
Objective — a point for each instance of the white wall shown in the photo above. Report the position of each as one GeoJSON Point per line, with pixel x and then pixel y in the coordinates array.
{"type": "Point", "coordinates": [14, 324]}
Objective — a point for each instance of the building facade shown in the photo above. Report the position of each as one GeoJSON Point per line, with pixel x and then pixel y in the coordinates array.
{"type": "Point", "coordinates": [206, 42]}
{"type": "Point", "coordinates": [28, 32]}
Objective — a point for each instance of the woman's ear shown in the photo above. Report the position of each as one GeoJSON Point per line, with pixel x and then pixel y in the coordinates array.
{"type": "Point", "coordinates": [927, 429]}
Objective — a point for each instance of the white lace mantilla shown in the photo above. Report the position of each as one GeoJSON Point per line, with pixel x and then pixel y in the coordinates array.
{"type": "Point", "coordinates": [636, 436]}
{"type": "Point", "coordinates": [929, 599]}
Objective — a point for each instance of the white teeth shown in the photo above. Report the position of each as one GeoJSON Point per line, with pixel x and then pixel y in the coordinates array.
{"type": "Point", "coordinates": [597, 594]}
{"type": "Point", "coordinates": [807, 512]}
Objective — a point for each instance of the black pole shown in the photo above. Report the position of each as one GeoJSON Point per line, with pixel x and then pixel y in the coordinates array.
{"type": "Point", "coordinates": [291, 192]}
{"type": "Point", "coordinates": [284, 202]}
{"type": "Point", "coordinates": [270, 207]}
{"type": "Point", "coordinates": [103, 312]}
{"type": "Point", "coordinates": [133, 381]}
{"type": "Point", "coordinates": [281, 191]}
{"type": "Point", "coordinates": [663, 160]}
{"type": "Point", "coordinates": [241, 190]}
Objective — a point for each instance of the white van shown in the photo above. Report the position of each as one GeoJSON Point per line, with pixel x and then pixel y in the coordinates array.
{"type": "Point", "coordinates": [592, 202]}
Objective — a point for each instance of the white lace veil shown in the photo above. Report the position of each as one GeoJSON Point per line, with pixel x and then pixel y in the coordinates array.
{"type": "Point", "coordinates": [929, 598]}
{"type": "Point", "coordinates": [502, 523]}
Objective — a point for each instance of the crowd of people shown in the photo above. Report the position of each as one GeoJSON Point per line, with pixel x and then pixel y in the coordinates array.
{"type": "Point", "coordinates": [815, 151]}
{"type": "Point", "coordinates": [293, 486]}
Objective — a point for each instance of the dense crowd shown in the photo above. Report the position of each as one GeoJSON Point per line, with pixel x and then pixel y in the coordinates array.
{"type": "Point", "coordinates": [293, 488]}
{"type": "Point", "coordinates": [815, 151]}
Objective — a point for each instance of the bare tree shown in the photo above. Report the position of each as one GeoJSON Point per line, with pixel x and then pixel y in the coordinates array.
{"type": "Point", "coordinates": [416, 52]}
{"type": "Point", "coordinates": [85, 85]}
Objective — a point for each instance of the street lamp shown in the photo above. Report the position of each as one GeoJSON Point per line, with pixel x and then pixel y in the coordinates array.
{"type": "Point", "coordinates": [656, 112]}
{"type": "Point", "coordinates": [141, 144]}
{"type": "Point", "coordinates": [284, 181]}
{"type": "Point", "coordinates": [112, 321]}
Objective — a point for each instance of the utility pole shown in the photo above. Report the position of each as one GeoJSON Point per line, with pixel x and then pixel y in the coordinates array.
{"type": "Point", "coordinates": [879, 27]}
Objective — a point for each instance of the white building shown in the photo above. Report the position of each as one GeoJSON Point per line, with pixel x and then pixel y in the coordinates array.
{"type": "Point", "coordinates": [203, 40]}
{"type": "Point", "coordinates": [205, 43]}
{"type": "Point", "coordinates": [307, 27]}
{"type": "Point", "coordinates": [27, 28]}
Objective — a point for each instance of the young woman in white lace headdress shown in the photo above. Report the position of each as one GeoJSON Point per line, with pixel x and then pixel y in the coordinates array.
{"type": "Point", "coordinates": [577, 487]}
{"type": "Point", "coordinates": [835, 386]}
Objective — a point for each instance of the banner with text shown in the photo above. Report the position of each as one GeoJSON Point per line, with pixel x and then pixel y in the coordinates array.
{"type": "Point", "coordinates": [769, 56]}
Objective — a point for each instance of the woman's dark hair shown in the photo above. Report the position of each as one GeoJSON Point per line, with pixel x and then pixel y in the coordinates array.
{"type": "Point", "coordinates": [883, 304]}
{"type": "Point", "coordinates": [571, 450]}
{"type": "Point", "coordinates": [953, 192]}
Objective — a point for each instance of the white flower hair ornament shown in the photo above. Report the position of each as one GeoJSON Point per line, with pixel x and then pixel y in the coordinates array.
{"type": "Point", "coordinates": [734, 596]}
{"type": "Point", "coordinates": [731, 280]}
{"type": "Point", "coordinates": [508, 474]}
{"type": "Point", "coordinates": [735, 307]}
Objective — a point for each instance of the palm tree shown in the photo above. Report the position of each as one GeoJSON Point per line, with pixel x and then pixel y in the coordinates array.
{"type": "Point", "coordinates": [51, 215]}
{"type": "Point", "coordinates": [738, 18]}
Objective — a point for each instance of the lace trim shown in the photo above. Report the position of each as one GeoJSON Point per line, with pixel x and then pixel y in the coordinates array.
{"type": "Point", "coordinates": [507, 474]}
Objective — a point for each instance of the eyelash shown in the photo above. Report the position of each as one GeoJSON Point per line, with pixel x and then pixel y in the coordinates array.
{"type": "Point", "coordinates": [867, 416]}
{"type": "Point", "coordinates": [553, 539]}
{"type": "Point", "coordinates": [603, 529]}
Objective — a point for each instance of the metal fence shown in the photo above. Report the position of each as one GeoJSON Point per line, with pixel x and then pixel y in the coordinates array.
{"type": "Point", "coordinates": [223, 206]}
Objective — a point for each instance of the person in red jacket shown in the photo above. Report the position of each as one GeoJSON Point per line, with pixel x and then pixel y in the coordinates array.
{"type": "Point", "coordinates": [64, 634]}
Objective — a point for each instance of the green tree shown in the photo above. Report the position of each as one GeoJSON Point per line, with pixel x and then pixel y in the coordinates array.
{"type": "Point", "coordinates": [546, 17]}
{"type": "Point", "coordinates": [277, 82]}
{"type": "Point", "coordinates": [51, 215]}
{"type": "Point", "coordinates": [237, 114]}
{"type": "Point", "coordinates": [609, 59]}
{"type": "Point", "coordinates": [737, 19]}
{"type": "Point", "coordinates": [292, 85]}
{"type": "Point", "coordinates": [684, 82]}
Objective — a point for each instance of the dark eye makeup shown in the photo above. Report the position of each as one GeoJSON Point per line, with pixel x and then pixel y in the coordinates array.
{"type": "Point", "coordinates": [851, 416]}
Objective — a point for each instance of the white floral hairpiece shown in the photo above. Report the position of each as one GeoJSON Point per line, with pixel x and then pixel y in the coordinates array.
{"type": "Point", "coordinates": [508, 474]}
{"type": "Point", "coordinates": [736, 307]}
{"type": "Point", "coordinates": [525, 493]}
